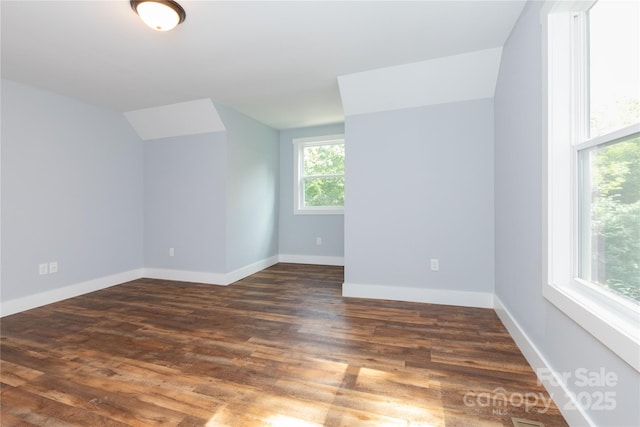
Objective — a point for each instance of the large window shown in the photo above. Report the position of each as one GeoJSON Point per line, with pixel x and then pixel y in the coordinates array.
{"type": "Point", "coordinates": [593, 153]}
{"type": "Point", "coordinates": [319, 175]}
{"type": "Point", "coordinates": [609, 162]}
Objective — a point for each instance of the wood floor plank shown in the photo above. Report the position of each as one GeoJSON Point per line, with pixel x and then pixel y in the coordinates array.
{"type": "Point", "coordinates": [16, 375]}
{"type": "Point", "coordinates": [278, 348]}
{"type": "Point", "coordinates": [20, 407]}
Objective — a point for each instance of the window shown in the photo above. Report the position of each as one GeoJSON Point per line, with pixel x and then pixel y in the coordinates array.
{"type": "Point", "coordinates": [319, 175]}
{"type": "Point", "coordinates": [593, 168]}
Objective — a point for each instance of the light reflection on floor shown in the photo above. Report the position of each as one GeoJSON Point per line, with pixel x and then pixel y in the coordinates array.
{"type": "Point", "coordinates": [263, 409]}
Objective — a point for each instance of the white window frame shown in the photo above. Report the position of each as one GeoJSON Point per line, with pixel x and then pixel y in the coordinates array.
{"type": "Point", "coordinates": [299, 145]}
{"type": "Point", "coordinates": [612, 320]}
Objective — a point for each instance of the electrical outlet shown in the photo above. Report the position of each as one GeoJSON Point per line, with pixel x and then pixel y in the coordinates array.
{"type": "Point", "coordinates": [435, 264]}
{"type": "Point", "coordinates": [172, 252]}
{"type": "Point", "coordinates": [43, 269]}
{"type": "Point", "coordinates": [318, 241]}
{"type": "Point", "coordinates": [53, 267]}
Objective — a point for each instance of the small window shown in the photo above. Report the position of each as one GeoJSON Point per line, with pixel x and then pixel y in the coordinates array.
{"type": "Point", "coordinates": [319, 175]}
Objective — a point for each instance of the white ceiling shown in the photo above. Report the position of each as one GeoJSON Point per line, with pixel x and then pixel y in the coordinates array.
{"type": "Point", "coordinates": [277, 62]}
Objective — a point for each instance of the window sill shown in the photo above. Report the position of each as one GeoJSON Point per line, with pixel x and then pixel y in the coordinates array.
{"type": "Point", "coordinates": [319, 211]}
{"type": "Point", "coordinates": [615, 327]}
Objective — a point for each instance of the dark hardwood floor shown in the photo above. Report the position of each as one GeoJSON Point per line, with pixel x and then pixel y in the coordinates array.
{"type": "Point", "coordinates": [279, 348]}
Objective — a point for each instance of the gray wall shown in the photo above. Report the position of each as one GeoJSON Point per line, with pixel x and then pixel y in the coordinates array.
{"type": "Point", "coordinates": [80, 188]}
{"type": "Point", "coordinates": [420, 186]}
{"type": "Point", "coordinates": [298, 233]}
{"type": "Point", "coordinates": [518, 219]}
{"type": "Point", "coordinates": [252, 189]}
{"type": "Point", "coordinates": [212, 197]}
{"type": "Point", "coordinates": [184, 202]}
{"type": "Point", "coordinates": [71, 191]}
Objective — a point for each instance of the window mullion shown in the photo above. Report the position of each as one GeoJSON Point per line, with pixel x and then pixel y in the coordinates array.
{"type": "Point", "coordinates": [579, 134]}
{"type": "Point", "coordinates": [339, 175]}
{"type": "Point", "coordinates": [580, 73]}
{"type": "Point", "coordinates": [609, 137]}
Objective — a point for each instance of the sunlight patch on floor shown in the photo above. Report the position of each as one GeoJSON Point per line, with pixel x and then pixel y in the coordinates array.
{"type": "Point", "coordinates": [287, 421]}
{"type": "Point", "coordinates": [368, 397]}
{"type": "Point", "coordinates": [429, 412]}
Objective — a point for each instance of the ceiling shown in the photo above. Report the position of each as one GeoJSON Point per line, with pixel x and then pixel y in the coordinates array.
{"type": "Point", "coordinates": [277, 62]}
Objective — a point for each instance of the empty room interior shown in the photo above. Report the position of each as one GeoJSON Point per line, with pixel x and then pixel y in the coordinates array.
{"type": "Point", "coordinates": [320, 213]}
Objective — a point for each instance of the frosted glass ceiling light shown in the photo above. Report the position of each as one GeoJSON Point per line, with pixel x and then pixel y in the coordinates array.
{"type": "Point", "coordinates": [161, 15]}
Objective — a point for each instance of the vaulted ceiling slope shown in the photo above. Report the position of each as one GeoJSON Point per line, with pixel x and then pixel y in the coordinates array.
{"type": "Point", "coordinates": [277, 62]}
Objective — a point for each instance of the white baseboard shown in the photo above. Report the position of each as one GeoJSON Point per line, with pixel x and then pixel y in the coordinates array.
{"type": "Point", "coordinates": [250, 269]}
{"type": "Point", "coordinates": [222, 279]}
{"type": "Point", "coordinates": [431, 296]}
{"type": "Point", "coordinates": [312, 259]}
{"type": "Point", "coordinates": [37, 300]}
{"type": "Point", "coordinates": [563, 398]}
{"type": "Point", "coordinates": [48, 297]}
{"type": "Point", "coordinates": [185, 276]}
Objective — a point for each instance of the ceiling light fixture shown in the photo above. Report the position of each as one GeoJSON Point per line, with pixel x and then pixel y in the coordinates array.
{"type": "Point", "coordinates": [161, 15]}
